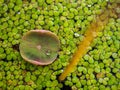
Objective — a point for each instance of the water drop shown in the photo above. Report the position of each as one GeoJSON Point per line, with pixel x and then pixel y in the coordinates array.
{"type": "Point", "coordinates": [89, 5]}
{"type": "Point", "coordinates": [76, 34]}
{"type": "Point", "coordinates": [48, 53]}
{"type": "Point", "coordinates": [18, 13]}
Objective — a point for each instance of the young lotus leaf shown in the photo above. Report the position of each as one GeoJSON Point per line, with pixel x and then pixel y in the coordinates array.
{"type": "Point", "coordinates": [39, 47]}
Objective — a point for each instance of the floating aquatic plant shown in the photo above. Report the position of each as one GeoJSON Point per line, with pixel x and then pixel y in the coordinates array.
{"type": "Point", "coordinates": [98, 70]}
{"type": "Point", "coordinates": [39, 47]}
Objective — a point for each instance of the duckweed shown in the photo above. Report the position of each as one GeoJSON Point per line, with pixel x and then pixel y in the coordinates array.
{"type": "Point", "coordinates": [68, 19]}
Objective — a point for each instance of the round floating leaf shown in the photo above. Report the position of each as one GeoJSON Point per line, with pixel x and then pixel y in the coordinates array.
{"type": "Point", "coordinates": [39, 47]}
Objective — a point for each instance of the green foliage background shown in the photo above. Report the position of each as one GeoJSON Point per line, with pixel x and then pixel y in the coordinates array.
{"type": "Point", "coordinates": [99, 69]}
